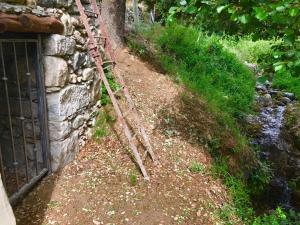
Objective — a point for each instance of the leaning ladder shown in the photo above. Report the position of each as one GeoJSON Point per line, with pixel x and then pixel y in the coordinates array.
{"type": "Point", "coordinates": [94, 51]}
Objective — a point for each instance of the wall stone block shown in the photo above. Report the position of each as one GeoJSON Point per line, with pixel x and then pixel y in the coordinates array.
{"type": "Point", "coordinates": [67, 102]}
{"type": "Point", "coordinates": [59, 130]}
{"type": "Point", "coordinates": [63, 152]}
{"type": "Point", "coordinates": [56, 71]}
{"type": "Point", "coordinates": [59, 45]}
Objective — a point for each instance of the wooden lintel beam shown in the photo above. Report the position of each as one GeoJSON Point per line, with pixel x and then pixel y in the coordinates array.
{"type": "Point", "coordinates": [26, 23]}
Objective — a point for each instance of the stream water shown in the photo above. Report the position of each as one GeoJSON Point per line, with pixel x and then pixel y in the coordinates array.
{"type": "Point", "coordinates": [273, 146]}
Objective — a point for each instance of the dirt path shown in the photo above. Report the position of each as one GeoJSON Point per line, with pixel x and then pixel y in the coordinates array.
{"type": "Point", "coordinates": [96, 189]}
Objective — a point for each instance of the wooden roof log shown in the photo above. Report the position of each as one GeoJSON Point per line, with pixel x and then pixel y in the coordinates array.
{"type": "Point", "coordinates": [26, 23]}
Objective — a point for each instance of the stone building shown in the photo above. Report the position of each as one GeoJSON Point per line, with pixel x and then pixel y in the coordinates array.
{"type": "Point", "coordinates": [49, 94]}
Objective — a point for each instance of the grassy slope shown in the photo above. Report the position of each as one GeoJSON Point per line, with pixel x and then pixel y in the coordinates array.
{"type": "Point", "coordinates": [215, 73]}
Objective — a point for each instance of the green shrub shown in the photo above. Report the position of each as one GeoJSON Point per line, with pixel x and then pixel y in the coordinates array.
{"type": "Point", "coordinates": [278, 217]}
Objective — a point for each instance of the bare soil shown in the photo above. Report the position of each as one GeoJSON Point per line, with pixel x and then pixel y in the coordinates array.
{"type": "Point", "coordinates": [97, 187]}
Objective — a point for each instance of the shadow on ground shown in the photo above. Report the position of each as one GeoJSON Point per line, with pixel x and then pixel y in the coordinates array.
{"type": "Point", "coordinates": [32, 209]}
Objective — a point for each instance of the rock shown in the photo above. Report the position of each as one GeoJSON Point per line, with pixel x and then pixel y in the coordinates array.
{"type": "Point", "coordinates": [261, 88]}
{"type": "Point", "coordinates": [79, 39]}
{"type": "Point", "coordinates": [89, 133]}
{"type": "Point", "coordinates": [268, 84]}
{"type": "Point", "coordinates": [274, 92]}
{"type": "Point", "coordinates": [265, 100]}
{"type": "Point", "coordinates": [251, 66]}
{"type": "Point", "coordinates": [75, 22]}
{"type": "Point", "coordinates": [79, 72]}
{"type": "Point", "coordinates": [78, 60]}
{"type": "Point", "coordinates": [88, 74]}
{"type": "Point", "coordinates": [73, 78]}
{"type": "Point", "coordinates": [63, 152]}
{"type": "Point", "coordinates": [78, 121]}
{"type": "Point", "coordinates": [67, 22]}
{"type": "Point", "coordinates": [95, 94]}
{"type": "Point", "coordinates": [58, 45]}
{"type": "Point", "coordinates": [31, 3]}
{"type": "Point", "coordinates": [59, 130]}
{"type": "Point", "coordinates": [56, 71]}
{"type": "Point", "coordinates": [67, 102]}
{"type": "Point", "coordinates": [92, 122]}
{"type": "Point", "coordinates": [21, 2]}
{"type": "Point", "coordinates": [285, 100]}
{"type": "Point", "coordinates": [79, 79]}
{"type": "Point", "coordinates": [289, 95]}
{"type": "Point", "coordinates": [55, 3]}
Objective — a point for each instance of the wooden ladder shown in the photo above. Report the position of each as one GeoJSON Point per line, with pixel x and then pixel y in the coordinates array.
{"type": "Point", "coordinates": [94, 51]}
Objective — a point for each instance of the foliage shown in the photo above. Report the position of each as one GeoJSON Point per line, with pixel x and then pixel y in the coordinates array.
{"type": "Point", "coordinates": [206, 67]}
{"type": "Point", "coordinates": [196, 167]}
{"type": "Point", "coordinates": [259, 178]}
{"type": "Point", "coordinates": [287, 82]}
{"type": "Point", "coordinates": [237, 188]}
{"type": "Point", "coordinates": [248, 50]}
{"type": "Point", "coordinates": [161, 7]}
{"type": "Point", "coordinates": [263, 18]}
{"type": "Point", "coordinates": [105, 99]}
{"type": "Point", "coordinates": [101, 128]}
{"type": "Point", "coordinates": [279, 217]}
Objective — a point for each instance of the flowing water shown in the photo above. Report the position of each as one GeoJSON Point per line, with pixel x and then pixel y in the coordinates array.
{"type": "Point", "coordinates": [274, 149]}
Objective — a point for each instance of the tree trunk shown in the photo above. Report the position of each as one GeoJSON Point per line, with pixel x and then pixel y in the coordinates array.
{"type": "Point", "coordinates": [113, 12]}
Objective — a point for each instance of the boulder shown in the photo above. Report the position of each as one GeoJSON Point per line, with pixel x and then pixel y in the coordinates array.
{"type": "Point", "coordinates": [285, 100]}
{"type": "Point", "coordinates": [56, 71]}
{"type": "Point", "coordinates": [265, 100]}
{"type": "Point", "coordinates": [67, 102]}
{"type": "Point", "coordinates": [261, 88]}
{"type": "Point", "coordinates": [289, 95]}
{"type": "Point", "coordinates": [59, 45]}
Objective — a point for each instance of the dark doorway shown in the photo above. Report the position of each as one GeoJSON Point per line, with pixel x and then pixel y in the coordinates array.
{"type": "Point", "coordinates": [23, 119]}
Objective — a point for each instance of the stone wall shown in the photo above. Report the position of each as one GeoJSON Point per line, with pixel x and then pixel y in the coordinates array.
{"type": "Point", "coordinates": [71, 81]}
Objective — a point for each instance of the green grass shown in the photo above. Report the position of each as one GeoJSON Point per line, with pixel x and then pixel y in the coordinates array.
{"type": "Point", "coordinates": [206, 67]}
{"type": "Point", "coordinates": [102, 127]}
{"type": "Point", "coordinates": [286, 82]}
{"type": "Point", "coordinates": [133, 179]}
{"type": "Point", "coordinates": [196, 167]}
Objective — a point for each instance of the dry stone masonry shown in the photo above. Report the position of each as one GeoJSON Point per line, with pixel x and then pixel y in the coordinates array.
{"type": "Point", "coordinates": [71, 82]}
